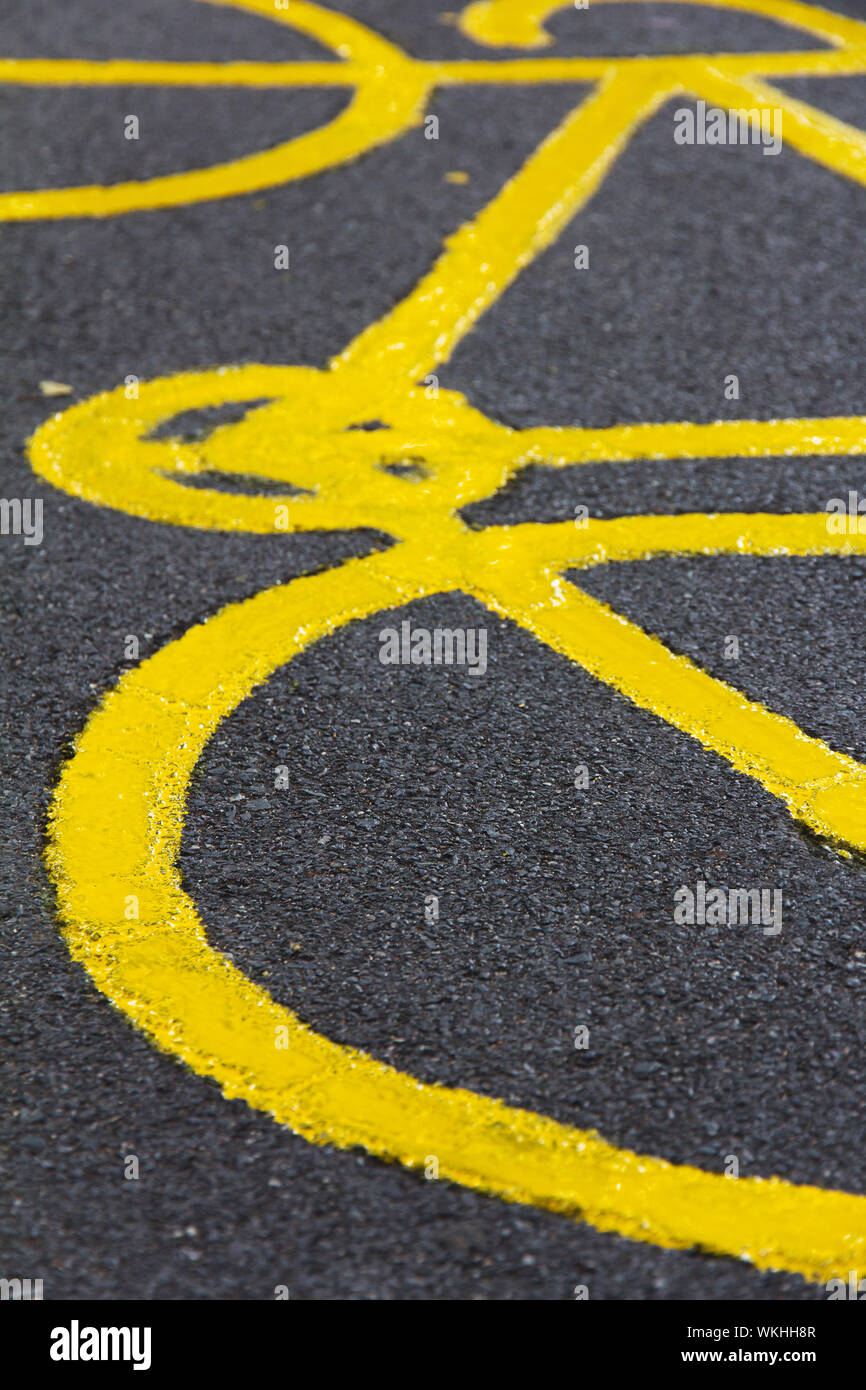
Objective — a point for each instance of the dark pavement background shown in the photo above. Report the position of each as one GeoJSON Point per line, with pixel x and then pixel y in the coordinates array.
{"type": "Point", "coordinates": [555, 905]}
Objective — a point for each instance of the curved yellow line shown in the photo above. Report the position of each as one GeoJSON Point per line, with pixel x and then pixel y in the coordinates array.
{"type": "Point", "coordinates": [115, 831]}
{"type": "Point", "coordinates": [389, 99]}
{"type": "Point", "coordinates": [520, 23]}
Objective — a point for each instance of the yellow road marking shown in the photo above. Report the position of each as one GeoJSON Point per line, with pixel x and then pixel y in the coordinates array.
{"type": "Point", "coordinates": [483, 257]}
{"type": "Point", "coordinates": [125, 72]}
{"type": "Point", "coordinates": [392, 89]}
{"type": "Point", "coordinates": [389, 98]}
{"type": "Point", "coordinates": [128, 72]}
{"type": "Point", "coordinates": [118, 813]}
{"type": "Point", "coordinates": [823, 138]}
{"type": "Point", "coordinates": [520, 23]}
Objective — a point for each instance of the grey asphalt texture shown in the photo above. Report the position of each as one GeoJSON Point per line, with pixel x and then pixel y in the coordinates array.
{"type": "Point", "coordinates": [555, 905]}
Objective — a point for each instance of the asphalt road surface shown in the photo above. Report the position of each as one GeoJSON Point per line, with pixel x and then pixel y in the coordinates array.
{"type": "Point", "coordinates": [555, 905]}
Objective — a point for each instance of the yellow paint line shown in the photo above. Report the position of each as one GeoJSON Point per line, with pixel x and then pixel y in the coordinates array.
{"type": "Point", "coordinates": [821, 137]}
{"type": "Point", "coordinates": [823, 789]}
{"type": "Point", "coordinates": [684, 440]}
{"type": "Point", "coordinates": [125, 72]}
{"type": "Point", "coordinates": [805, 63]}
{"type": "Point", "coordinates": [486, 255]}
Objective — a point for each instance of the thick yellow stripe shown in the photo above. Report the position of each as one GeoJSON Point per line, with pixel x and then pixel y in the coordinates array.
{"type": "Point", "coordinates": [128, 72]}
{"type": "Point", "coordinates": [823, 789]}
{"type": "Point", "coordinates": [684, 440]}
{"type": "Point", "coordinates": [133, 72]}
{"type": "Point", "coordinates": [826, 62]}
{"type": "Point", "coordinates": [819, 136]}
{"type": "Point", "coordinates": [487, 254]}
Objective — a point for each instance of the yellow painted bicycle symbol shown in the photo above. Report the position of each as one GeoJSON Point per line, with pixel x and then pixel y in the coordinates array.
{"type": "Point", "coordinates": [118, 812]}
